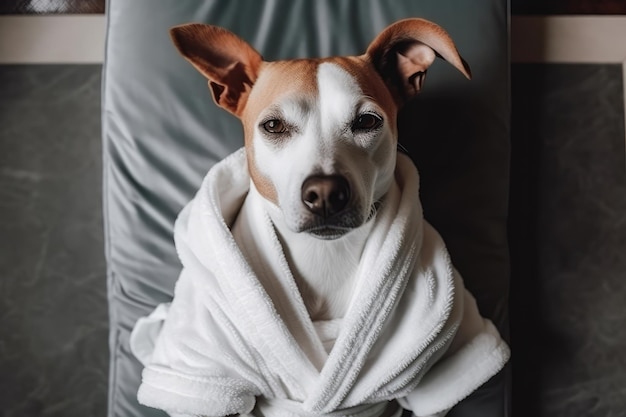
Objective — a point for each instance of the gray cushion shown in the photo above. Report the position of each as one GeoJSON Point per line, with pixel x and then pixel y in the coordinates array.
{"type": "Point", "coordinates": [162, 133]}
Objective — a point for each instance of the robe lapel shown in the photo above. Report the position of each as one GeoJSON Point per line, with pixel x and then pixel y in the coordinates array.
{"type": "Point", "coordinates": [282, 333]}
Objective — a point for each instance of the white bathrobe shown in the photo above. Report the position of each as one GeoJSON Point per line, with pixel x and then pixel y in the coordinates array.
{"type": "Point", "coordinates": [232, 342]}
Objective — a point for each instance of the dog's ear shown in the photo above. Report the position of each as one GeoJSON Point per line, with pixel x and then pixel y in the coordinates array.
{"type": "Point", "coordinates": [403, 52]}
{"type": "Point", "coordinates": [230, 64]}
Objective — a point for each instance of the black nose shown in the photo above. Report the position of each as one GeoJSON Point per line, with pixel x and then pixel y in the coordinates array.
{"type": "Point", "coordinates": [325, 195]}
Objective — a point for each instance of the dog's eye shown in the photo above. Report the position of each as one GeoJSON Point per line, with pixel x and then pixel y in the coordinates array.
{"type": "Point", "coordinates": [274, 126]}
{"type": "Point", "coordinates": [367, 121]}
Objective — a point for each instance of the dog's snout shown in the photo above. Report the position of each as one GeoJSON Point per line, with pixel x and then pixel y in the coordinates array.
{"type": "Point", "coordinates": [325, 195]}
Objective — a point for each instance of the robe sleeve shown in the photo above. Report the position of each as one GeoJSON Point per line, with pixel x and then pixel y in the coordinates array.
{"type": "Point", "coordinates": [196, 364]}
{"type": "Point", "coordinates": [475, 355]}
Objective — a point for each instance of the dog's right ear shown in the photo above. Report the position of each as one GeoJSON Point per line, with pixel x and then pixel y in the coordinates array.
{"type": "Point", "coordinates": [230, 63]}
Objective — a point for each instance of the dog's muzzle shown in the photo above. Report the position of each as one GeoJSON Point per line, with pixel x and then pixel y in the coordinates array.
{"type": "Point", "coordinates": [327, 198]}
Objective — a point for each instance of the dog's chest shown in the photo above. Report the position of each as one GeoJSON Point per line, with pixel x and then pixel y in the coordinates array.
{"type": "Point", "coordinates": [325, 272]}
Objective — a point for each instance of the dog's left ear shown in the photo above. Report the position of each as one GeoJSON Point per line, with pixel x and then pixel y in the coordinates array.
{"type": "Point", "coordinates": [403, 52]}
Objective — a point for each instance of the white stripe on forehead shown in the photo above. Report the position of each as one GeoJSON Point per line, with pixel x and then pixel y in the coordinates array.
{"type": "Point", "coordinates": [339, 94]}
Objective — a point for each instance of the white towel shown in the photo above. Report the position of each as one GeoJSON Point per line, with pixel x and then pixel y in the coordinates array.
{"type": "Point", "coordinates": [229, 344]}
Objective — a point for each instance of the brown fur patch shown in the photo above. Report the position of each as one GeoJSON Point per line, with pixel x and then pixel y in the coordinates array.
{"type": "Point", "coordinates": [276, 79]}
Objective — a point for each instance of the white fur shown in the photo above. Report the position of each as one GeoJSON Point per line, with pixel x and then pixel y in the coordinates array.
{"type": "Point", "coordinates": [323, 142]}
{"type": "Point", "coordinates": [324, 270]}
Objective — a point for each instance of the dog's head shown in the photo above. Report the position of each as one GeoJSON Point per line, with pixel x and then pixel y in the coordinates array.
{"type": "Point", "coordinates": [320, 134]}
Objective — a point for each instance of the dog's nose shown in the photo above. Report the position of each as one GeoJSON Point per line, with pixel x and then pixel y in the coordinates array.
{"type": "Point", "coordinates": [325, 195]}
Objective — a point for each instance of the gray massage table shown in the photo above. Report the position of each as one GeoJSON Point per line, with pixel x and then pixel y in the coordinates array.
{"type": "Point", "coordinates": [162, 133]}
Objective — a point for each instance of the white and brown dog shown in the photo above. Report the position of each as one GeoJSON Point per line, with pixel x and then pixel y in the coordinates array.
{"type": "Point", "coordinates": [320, 139]}
{"type": "Point", "coordinates": [311, 285]}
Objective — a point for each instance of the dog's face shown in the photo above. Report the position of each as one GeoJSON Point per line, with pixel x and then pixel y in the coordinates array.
{"type": "Point", "coordinates": [320, 134]}
{"type": "Point", "coordinates": [321, 144]}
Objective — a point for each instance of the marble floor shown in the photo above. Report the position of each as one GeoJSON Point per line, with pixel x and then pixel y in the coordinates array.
{"type": "Point", "coordinates": [568, 240]}
{"type": "Point", "coordinates": [568, 234]}
{"type": "Point", "coordinates": [53, 312]}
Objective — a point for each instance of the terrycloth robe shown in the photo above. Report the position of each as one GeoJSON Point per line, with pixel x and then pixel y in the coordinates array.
{"type": "Point", "coordinates": [232, 342]}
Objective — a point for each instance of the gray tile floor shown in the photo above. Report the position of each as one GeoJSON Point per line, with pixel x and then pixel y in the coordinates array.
{"type": "Point", "coordinates": [568, 229]}
{"type": "Point", "coordinates": [53, 314]}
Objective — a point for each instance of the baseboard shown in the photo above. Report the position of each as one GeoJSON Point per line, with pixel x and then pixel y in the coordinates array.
{"type": "Point", "coordinates": [570, 39]}
{"type": "Point", "coordinates": [52, 39]}
{"type": "Point", "coordinates": [548, 39]}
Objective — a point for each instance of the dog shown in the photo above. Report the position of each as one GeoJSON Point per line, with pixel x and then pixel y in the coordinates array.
{"type": "Point", "coordinates": [320, 139]}
{"type": "Point", "coordinates": [311, 284]}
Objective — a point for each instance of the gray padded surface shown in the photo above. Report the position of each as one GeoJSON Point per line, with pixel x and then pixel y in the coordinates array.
{"type": "Point", "coordinates": [162, 132]}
